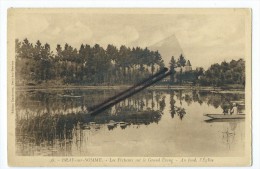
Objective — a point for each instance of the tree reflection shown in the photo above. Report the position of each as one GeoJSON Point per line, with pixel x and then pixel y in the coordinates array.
{"type": "Point", "coordinates": [162, 103]}
{"type": "Point", "coordinates": [181, 112]}
{"type": "Point", "coordinates": [175, 109]}
{"type": "Point", "coordinates": [179, 96]}
{"type": "Point", "coordinates": [188, 99]}
{"type": "Point", "coordinates": [59, 117]}
{"type": "Point", "coordinates": [52, 117]}
{"type": "Point", "coordinates": [172, 102]}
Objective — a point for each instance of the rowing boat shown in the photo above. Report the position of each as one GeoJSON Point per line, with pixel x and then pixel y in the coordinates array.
{"type": "Point", "coordinates": [226, 116]}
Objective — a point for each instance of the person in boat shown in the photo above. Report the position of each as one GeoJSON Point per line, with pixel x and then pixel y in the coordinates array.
{"type": "Point", "coordinates": [226, 109]}
{"type": "Point", "coordinates": [234, 109]}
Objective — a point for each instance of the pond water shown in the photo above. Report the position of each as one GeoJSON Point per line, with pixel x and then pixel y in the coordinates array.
{"type": "Point", "coordinates": [168, 123]}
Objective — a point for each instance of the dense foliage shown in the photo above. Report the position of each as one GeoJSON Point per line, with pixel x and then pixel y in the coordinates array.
{"type": "Point", "coordinates": [36, 64]}
{"type": "Point", "coordinates": [224, 74]}
{"type": "Point", "coordinates": [217, 75]}
{"type": "Point", "coordinates": [89, 65]}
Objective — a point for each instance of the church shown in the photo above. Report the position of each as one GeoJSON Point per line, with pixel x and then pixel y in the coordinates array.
{"type": "Point", "coordinates": [185, 68]}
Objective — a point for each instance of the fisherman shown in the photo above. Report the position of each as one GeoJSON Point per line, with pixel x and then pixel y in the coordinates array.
{"type": "Point", "coordinates": [234, 109]}
{"type": "Point", "coordinates": [226, 111]}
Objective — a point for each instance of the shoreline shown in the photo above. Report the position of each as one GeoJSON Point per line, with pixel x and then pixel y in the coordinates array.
{"type": "Point", "coordinates": [116, 87]}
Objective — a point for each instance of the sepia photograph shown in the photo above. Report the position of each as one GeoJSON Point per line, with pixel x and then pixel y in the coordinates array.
{"type": "Point", "coordinates": [129, 87]}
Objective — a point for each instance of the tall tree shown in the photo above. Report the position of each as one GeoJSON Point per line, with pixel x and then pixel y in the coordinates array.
{"type": "Point", "coordinates": [173, 65]}
{"type": "Point", "coordinates": [181, 61]}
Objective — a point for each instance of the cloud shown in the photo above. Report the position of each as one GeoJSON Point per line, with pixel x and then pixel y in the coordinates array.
{"type": "Point", "coordinates": [75, 35]}
{"type": "Point", "coordinates": [202, 37]}
{"type": "Point", "coordinates": [77, 30]}
{"type": "Point", "coordinates": [148, 38]}
{"type": "Point", "coordinates": [26, 25]}
{"type": "Point", "coordinates": [125, 36]}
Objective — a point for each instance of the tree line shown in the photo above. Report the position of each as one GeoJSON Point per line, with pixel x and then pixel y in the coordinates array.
{"type": "Point", "coordinates": [225, 73]}
{"type": "Point", "coordinates": [36, 63]}
{"type": "Point", "coordinates": [94, 65]}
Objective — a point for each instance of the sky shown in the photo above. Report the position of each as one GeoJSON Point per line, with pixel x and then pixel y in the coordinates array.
{"type": "Point", "coordinates": [205, 37]}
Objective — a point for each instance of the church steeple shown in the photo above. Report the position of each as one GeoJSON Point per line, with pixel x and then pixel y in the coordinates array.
{"type": "Point", "coordinates": [188, 63]}
{"type": "Point", "coordinates": [187, 66]}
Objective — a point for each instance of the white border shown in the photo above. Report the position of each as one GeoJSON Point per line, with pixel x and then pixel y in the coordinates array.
{"type": "Point", "coordinates": [254, 4]}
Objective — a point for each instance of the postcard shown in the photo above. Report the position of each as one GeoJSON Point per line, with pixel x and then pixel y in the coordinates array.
{"type": "Point", "coordinates": [129, 87]}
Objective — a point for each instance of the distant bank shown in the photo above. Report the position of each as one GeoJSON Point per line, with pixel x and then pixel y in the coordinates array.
{"type": "Point", "coordinates": [118, 87]}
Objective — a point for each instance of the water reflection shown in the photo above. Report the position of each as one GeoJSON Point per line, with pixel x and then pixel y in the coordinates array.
{"type": "Point", "coordinates": [52, 123]}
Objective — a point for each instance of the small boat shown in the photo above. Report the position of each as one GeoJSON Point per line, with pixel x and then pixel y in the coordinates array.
{"type": "Point", "coordinates": [111, 123]}
{"type": "Point", "coordinates": [225, 116]}
{"type": "Point", "coordinates": [223, 120]}
{"type": "Point", "coordinates": [123, 124]}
